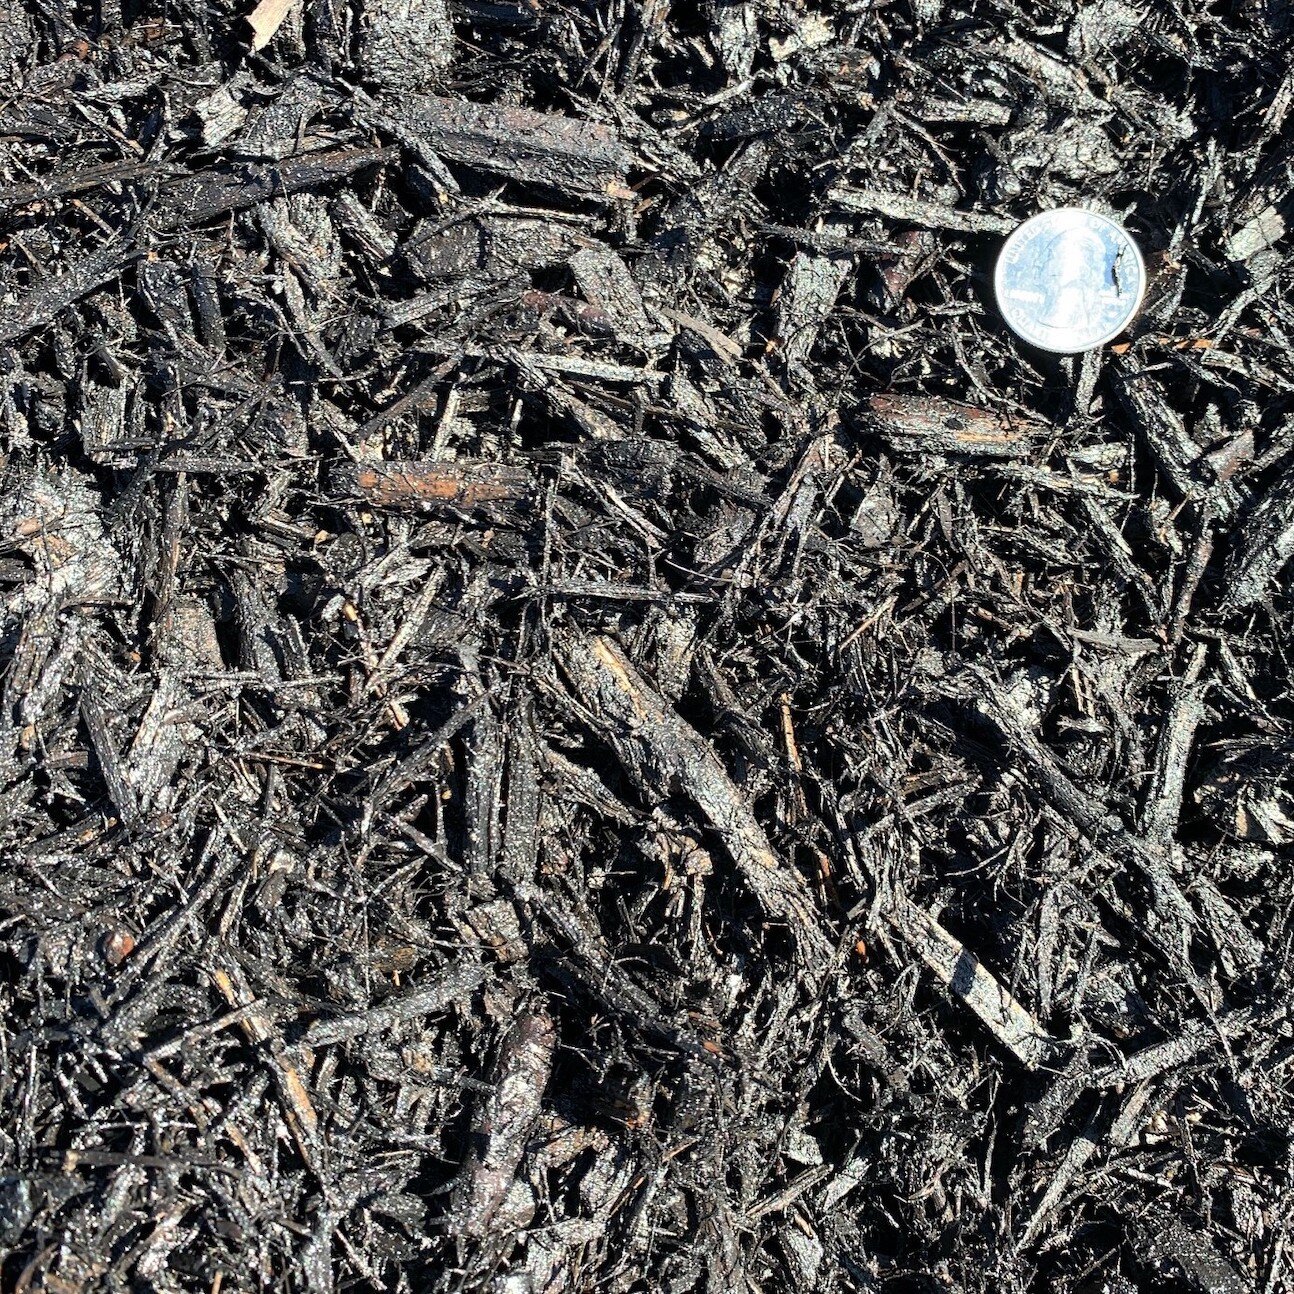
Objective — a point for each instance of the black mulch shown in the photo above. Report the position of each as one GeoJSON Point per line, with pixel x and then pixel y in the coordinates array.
{"type": "Point", "coordinates": [578, 714]}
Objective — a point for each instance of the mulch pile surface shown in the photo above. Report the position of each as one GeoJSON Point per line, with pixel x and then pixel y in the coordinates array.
{"type": "Point", "coordinates": [577, 714]}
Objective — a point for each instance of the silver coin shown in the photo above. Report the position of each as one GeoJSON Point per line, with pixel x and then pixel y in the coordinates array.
{"type": "Point", "coordinates": [1069, 280]}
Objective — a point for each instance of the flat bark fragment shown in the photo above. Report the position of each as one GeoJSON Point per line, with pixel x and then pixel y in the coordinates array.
{"type": "Point", "coordinates": [453, 985]}
{"type": "Point", "coordinates": [926, 424]}
{"type": "Point", "coordinates": [406, 43]}
{"type": "Point", "coordinates": [424, 485]}
{"type": "Point", "coordinates": [266, 19]}
{"type": "Point", "coordinates": [196, 200]}
{"type": "Point", "coordinates": [564, 153]}
{"type": "Point", "coordinates": [894, 206]}
{"type": "Point", "coordinates": [967, 979]}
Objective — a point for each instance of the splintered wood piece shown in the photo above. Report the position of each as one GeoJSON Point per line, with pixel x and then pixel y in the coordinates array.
{"type": "Point", "coordinates": [481, 808]}
{"type": "Point", "coordinates": [1176, 453]}
{"type": "Point", "coordinates": [54, 293]}
{"type": "Point", "coordinates": [1261, 545]}
{"type": "Point", "coordinates": [453, 984]}
{"type": "Point", "coordinates": [81, 180]}
{"type": "Point", "coordinates": [400, 639]}
{"type": "Point", "coordinates": [1185, 714]}
{"type": "Point", "coordinates": [372, 667]}
{"type": "Point", "coordinates": [110, 764]}
{"type": "Point", "coordinates": [913, 211]}
{"type": "Point", "coordinates": [266, 19]}
{"type": "Point", "coordinates": [607, 981]}
{"type": "Point", "coordinates": [298, 1111]}
{"type": "Point", "coordinates": [418, 485]}
{"type": "Point", "coordinates": [207, 194]}
{"type": "Point", "coordinates": [1099, 1128]}
{"type": "Point", "coordinates": [1175, 921]}
{"type": "Point", "coordinates": [666, 756]}
{"type": "Point", "coordinates": [966, 978]}
{"type": "Point", "coordinates": [504, 1124]}
{"type": "Point", "coordinates": [930, 424]}
{"type": "Point", "coordinates": [539, 148]}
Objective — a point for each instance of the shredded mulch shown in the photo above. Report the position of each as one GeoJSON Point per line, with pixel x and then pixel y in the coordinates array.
{"type": "Point", "coordinates": [578, 714]}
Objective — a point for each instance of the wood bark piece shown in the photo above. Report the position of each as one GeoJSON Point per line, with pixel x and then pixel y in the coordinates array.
{"type": "Point", "coordinates": [1265, 229]}
{"type": "Point", "coordinates": [1174, 919]}
{"type": "Point", "coordinates": [504, 1124]}
{"type": "Point", "coordinates": [405, 43]}
{"type": "Point", "coordinates": [298, 1107]}
{"type": "Point", "coordinates": [1164, 797]}
{"type": "Point", "coordinates": [451, 985]}
{"type": "Point", "coordinates": [206, 195]}
{"type": "Point", "coordinates": [932, 425]}
{"type": "Point", "coordinates": [967, 979]}
{"type": "Point", "coordinates": [1186, 1047]}
{"type": "Point", "coordinates": [893, 206]}
{"type": "Point", "coordinates": [1261, 545]}
{"type": "Point", "coordinates": [604, 280]}
{"type": "Point", "coordinates": [1190, 1253]}
{"type": "Point", "coordinates": [1179, 457]}
{"type": "Point", "coordinates": [668, 757]}
{"type": "Point", "coordinates": [83, 180]}
{"type": "Point", "coordinates": [808, 295]}
{"type": "Point", "coordinates": [54, 294]}
{"type": "Point", "coordinates": [563, 153]}
{"type": "Point", "coordinates": [266, 19]}
{"type": "Point", "coordinates": [413, 485]}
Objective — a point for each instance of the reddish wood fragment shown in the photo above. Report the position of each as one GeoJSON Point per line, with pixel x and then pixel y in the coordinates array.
{"type": "Point", "coordinates": [117, 946]}
{"type": "Point", "coordinates": [461, 484]}
{"type": "Point", "coordinates": [936, 425]}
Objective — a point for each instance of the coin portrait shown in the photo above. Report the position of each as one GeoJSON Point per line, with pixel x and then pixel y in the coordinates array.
{"type": "Point", "coordinates": [1069, 280]}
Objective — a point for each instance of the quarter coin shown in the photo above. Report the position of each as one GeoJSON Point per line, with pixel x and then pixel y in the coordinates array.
{"type": "Point", "coordinates": [1069, 280]}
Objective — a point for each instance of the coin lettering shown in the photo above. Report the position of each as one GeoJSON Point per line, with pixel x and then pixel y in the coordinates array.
{"type": "Point", "coordinates": [1069, 280]}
